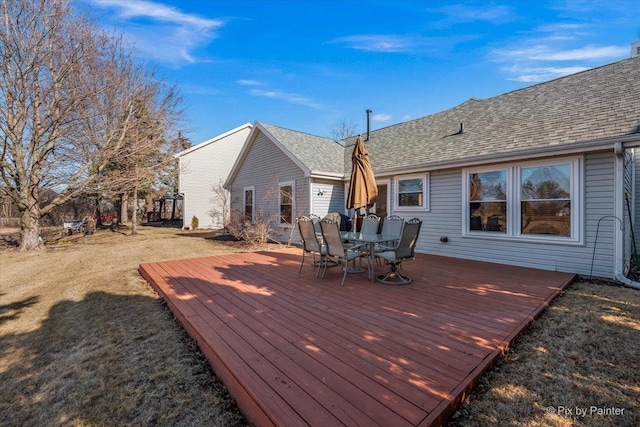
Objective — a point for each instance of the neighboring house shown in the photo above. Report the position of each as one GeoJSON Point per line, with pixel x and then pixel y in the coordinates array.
{"type": "Point", "coordinates": [202, 171]}
{"type": "Point", "coordinates": [527, 178]}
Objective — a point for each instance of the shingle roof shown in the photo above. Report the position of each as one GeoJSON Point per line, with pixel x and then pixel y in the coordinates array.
{"type": "Point", "coordinates": [598, 103]}
{"type": "Point", "coordinates": [594, 104]}
{"type": "Point", "coordinates": [319, 154]}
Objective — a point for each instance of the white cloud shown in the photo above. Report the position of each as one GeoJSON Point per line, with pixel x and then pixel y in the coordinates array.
{"type": "Point", "coordinates": [587, 52]}
{"type": "Point", "coordinates": [157, 11]}
{"type": "Point", "coordinates": [381, 117]}
{"type": "Point", "coordinates": [245, 82]}
{"type": "Point", "coordinates": [541, 74]}
{"type": "Point", "coordinates": [378, 43]}
{"type": "Point", "coordinates": [289, 97]}
{"type": "Point", "coordinates": [159, 31]}
{"type": "Point", "coordinates": [549, 53]}
{"type": "Point", "coordinates": [460, 13]}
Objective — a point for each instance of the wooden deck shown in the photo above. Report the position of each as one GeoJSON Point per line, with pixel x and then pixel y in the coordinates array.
{"type": "Point", "coordinates": [294, 350]}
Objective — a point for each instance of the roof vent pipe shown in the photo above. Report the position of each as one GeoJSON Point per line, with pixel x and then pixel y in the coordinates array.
{"type": "Point", "coordinates": [461, 131]}
{"type": "Point", "coordinates": [368, 124]}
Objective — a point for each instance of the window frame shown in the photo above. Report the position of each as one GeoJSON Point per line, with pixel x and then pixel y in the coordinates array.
{"type": "Point", "coordinates": [514, 202]}
{"type": "Point", "coordinates": [387, 182]}
{"type": "Point", "coordinates": [425, 207]}
{"type": "Point", "coordinates": [507, 202]}
{"type": "Point", "coordinates": [291, 184]}
{"type": "Point", "coordinates": [253, 202]}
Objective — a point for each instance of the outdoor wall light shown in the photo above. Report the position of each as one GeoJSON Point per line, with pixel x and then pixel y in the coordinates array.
{"type": "Point", "coordinates": [320, 193]}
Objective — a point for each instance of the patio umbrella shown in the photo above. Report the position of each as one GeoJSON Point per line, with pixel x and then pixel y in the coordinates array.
{"type": "Point", "coordinates": [363, 190]}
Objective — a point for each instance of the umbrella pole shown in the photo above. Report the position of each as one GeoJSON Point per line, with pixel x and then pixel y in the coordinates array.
{"type": "Point", "coordinates": [354, 269]}
{"type": "Point", "coordinates": [355, 219]}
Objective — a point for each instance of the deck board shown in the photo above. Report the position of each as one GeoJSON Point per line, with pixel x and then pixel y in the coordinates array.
{"type": "Point", "coordinates": [295, 350]}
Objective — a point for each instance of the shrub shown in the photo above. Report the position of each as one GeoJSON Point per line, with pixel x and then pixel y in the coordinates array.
{"type": "Point", "coordinates": [194, 223]}
{"type": "Point", "coordinates": [257, 233]}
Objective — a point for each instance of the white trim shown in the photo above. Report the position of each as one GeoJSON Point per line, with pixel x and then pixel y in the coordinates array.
{"type": "Point", "coordinates": [293, 203]}
{"type": "Point", "coordinates": [513, 201]}
{"type": "Point", "coordinates": [212, 140]}
{"type": "Point", "coordinates": [425, 176]}
{"type": "Point", "coordinates": [310, 186]}
{"type": "Point", "coordinates": [327, 175]}
{"type": "Point", "coordinates": [618, 211]}
{"type": "Point", "coordinates": [386, 182]}
{"type": "Point", "coordinates": [258, 127]}
{"type": "Point", "coordinates": [253, 201]}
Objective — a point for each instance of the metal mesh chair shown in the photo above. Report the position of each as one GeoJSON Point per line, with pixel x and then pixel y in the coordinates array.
{"type": "Point", "coordinates": [335, 247]}
{"type": "Point", "coordinates": [310, 243]}
{"type": "Point", "coordinates": [370, 224]}
{"type": "Point", "coordinates": [391, 226]}
{"type": "Point", "coordinates": [404, 250]}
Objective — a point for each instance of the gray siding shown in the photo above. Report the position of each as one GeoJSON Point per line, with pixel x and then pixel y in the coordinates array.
{"type": "Point", "coordinates": [445, 219]}
{"type": "Point", "coordinates": [264, 167]}
{"type": "Point", "coordinates": [331, 199]}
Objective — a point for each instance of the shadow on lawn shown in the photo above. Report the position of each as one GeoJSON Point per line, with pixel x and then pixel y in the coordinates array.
{"type": "Point", "coordinates": [13, 310]}
{"type": "Point", "coordinates": [109, 360]}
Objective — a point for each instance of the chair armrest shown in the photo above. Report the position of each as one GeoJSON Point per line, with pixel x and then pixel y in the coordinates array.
{"type": "Point", "coordinates": [358, 246]}
{"type": "Point", "coordinates": [381, 248]}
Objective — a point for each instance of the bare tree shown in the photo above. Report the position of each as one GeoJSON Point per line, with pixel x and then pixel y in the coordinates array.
{"type": "Point", "coordinates": [146, 156]}
{"type": "Point", "coordinates": [68, 102]}
{"type": "Point", "coordinates": [344, 130]}
{"type": "Point", "coordinates": [221, 203]}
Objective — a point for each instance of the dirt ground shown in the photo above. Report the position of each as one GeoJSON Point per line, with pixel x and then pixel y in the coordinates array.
{"type": "Point", "coordinates": [85, 342]}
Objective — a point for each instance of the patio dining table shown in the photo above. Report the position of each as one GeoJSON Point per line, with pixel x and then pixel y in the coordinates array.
{"type": "Point", "coordinates": [371, 239]}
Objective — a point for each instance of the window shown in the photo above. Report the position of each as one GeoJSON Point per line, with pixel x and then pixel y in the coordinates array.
{"type": "Point", "coordinates": [534, 200]}
{"type": "Point", "coordinates": [285, 201]}
{"type": "Point", "coordinates": [545, 201]}
{"type": "Point", "coordinates": [412, 192]}
{"type": "Point", "coordinates": [249, 201]}
{"type": "Point", "coordinates": [488, 201]}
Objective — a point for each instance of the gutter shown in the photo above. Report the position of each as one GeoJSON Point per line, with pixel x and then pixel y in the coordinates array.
{"type": "Point", "coordinates": [600, 144]}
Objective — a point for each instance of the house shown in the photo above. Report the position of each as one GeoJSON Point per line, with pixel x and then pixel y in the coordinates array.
{"type": "Point", "coordinates": [203, 169]}
{"type": "Point", "coordinates": [537, 177]}
{"type": "Point", "coordinates": [282, 174]}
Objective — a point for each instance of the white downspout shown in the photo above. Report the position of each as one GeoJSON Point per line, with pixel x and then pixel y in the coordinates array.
{"type": "Point", "coordinates": [619, 235]}
{"type": "Point", "coordinates": [627, 282]}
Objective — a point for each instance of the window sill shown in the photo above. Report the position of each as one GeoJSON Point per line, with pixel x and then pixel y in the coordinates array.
{"type": "Point", "coordinates": [408, 209]}
{"type": "Point", "coordinates": [559, 241]}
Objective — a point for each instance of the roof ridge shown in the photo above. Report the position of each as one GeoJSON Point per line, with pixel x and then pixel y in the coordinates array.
{"type": "Point", "coordinates": [297, 131]}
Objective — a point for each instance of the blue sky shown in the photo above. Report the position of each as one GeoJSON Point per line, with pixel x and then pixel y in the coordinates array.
{"type": "Point", "coordinates": [312, 65]}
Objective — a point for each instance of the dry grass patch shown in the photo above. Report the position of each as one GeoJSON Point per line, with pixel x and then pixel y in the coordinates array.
{"type": "Point", "coordinates": [577, 365]}
{"type": "Point", "coordinates": [84, 341]}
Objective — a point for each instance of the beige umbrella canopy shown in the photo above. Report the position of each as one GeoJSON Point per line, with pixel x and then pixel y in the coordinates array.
{"type": "Point", "coordinates": [363, 190]}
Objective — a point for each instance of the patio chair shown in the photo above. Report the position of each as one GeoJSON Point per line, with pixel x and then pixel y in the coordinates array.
{"type": "Point", "coordinates": [391, 226]}
{"type": "Point", "coordinates": [336, 249]}
{"type": "Point", "coordinates": [310, 243]}
{"type": "Point", "coordinates": [370, 224]}
{"type": "Point", "coordinates": [403, 251]}
{"type": "Point", "coordinates": [316, 223]}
